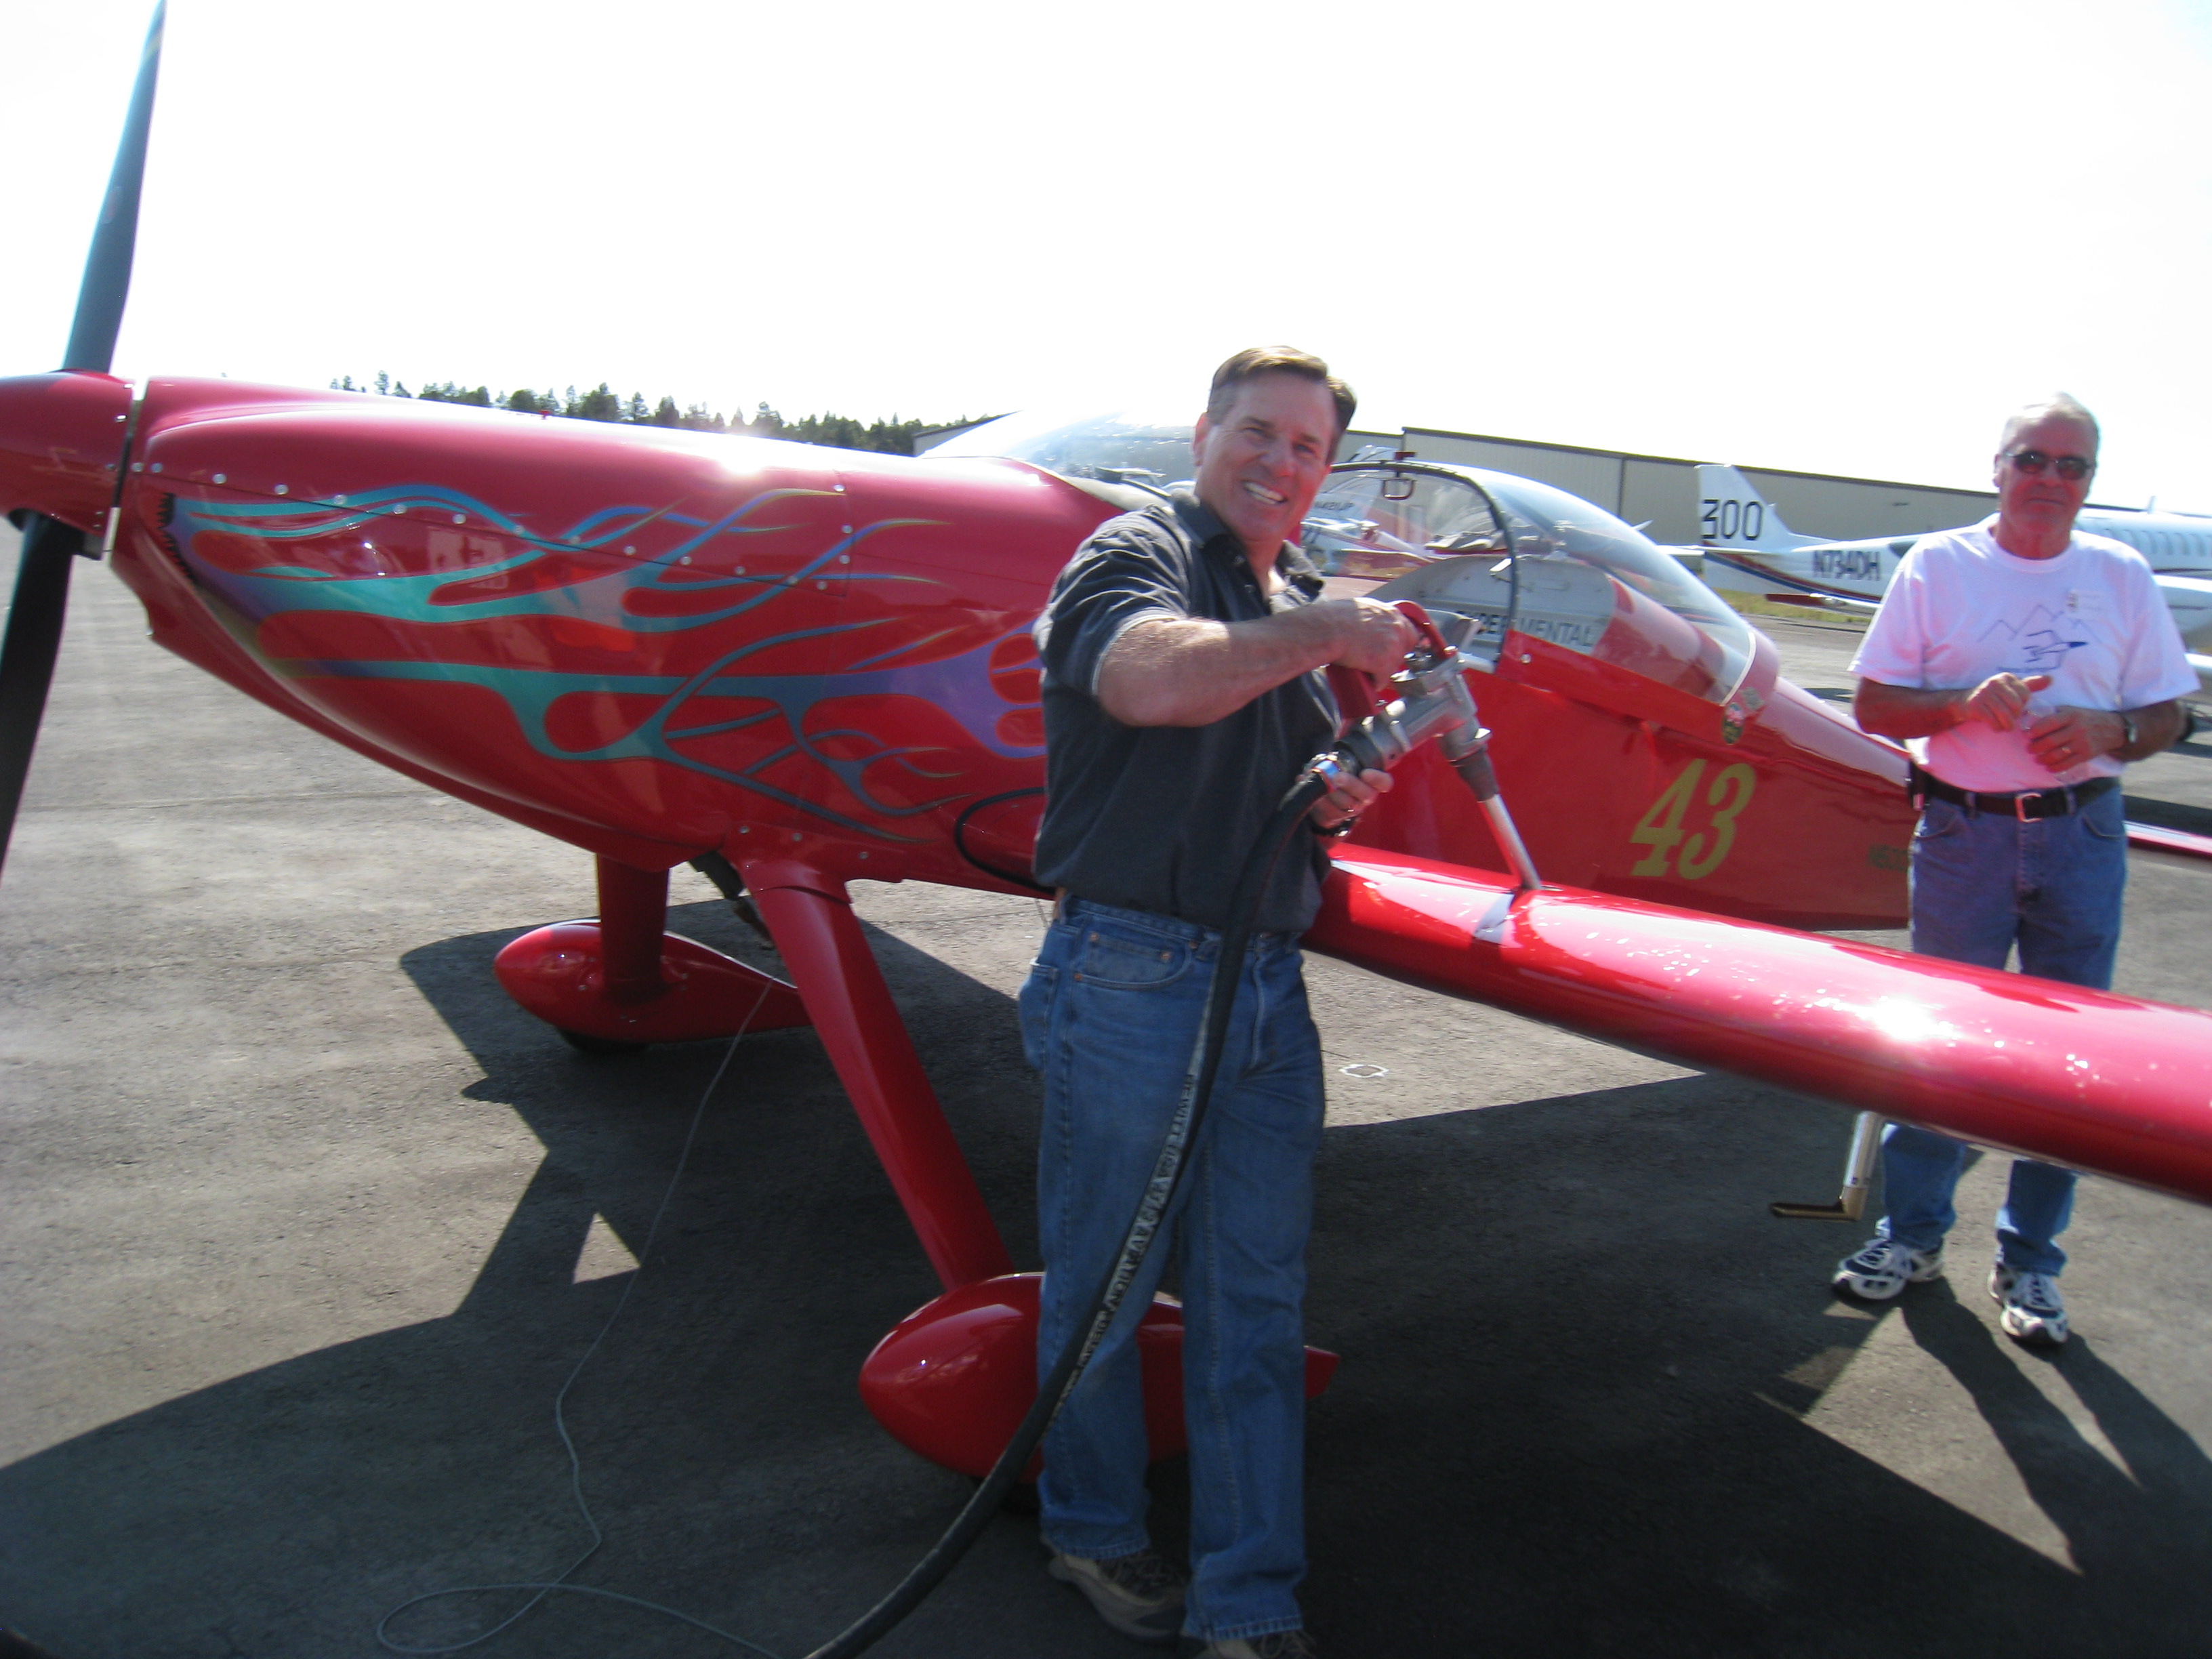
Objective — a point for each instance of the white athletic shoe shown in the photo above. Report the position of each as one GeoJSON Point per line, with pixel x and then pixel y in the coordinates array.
{"type": "Point", "coordinates": [2032, 1309]}
{"type": "Point", "coordinates": [1883, 1267]}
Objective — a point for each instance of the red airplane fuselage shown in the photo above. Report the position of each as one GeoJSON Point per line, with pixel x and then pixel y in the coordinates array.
{"type": "Point", "coordinates": [656, 645]}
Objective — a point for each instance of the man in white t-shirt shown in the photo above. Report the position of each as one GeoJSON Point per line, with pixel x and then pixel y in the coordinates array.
{"type": "Point", "coordinates": [2024, 665]}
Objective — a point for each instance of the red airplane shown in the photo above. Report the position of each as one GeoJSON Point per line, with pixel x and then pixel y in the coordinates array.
{"type": "Point", "coordinates": [798, 666]}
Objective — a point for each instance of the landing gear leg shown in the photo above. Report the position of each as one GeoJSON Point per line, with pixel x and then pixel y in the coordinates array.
{"type": "Point", "coordinates": [861, 1029]}
{"type": "Point", "coordinates": [1858, 1175]}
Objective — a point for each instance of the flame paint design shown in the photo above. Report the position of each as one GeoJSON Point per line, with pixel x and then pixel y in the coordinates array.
{"type": "Point", "coordinates": [960, 686]}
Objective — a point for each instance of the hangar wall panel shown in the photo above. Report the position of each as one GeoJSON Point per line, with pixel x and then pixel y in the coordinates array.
{"type": "Point", "coordinates": [1660, 492]}
{"type": "Point", "coordinates": [1665, 494]}
{"type": "Point", "coordinates": [1848, 509]}
{"type": "Point", "coordinates": [1592, 474]}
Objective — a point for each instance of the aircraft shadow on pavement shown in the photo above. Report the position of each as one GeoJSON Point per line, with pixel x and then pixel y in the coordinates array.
{"type": "Point", "coordinates": [1564, 1422]}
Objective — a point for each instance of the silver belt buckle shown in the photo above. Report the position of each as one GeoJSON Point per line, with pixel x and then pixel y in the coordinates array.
{"type": "Point", "coordinates": [2020, 800]}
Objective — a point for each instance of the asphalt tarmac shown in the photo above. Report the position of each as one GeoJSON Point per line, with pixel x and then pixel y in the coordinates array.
{"type": "Point", "coordinates": [303, 1225]}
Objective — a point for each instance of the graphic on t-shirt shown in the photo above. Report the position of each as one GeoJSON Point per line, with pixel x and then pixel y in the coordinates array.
{"type": "Point", "coordinates": [2042, 647]}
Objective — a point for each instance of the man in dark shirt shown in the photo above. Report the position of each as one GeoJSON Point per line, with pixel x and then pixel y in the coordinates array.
{"type": "Point", "coordinates": [1182, 647]}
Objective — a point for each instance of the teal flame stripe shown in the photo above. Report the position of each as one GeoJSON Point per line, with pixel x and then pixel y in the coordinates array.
{"type": "Point", "coordinates": [959, 686]}
{"type": "Point", "coordinates": [262, 593]}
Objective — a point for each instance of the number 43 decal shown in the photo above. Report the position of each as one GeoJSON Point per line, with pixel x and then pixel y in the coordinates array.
{"type": "Point", "coordinates": [1661, 828]}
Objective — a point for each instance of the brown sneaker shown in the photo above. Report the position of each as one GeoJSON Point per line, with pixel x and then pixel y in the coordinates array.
{"type": "Point", "coordinates": [1275, 1645]}
{"type": "Point", "coordinates": [1139, 1596]}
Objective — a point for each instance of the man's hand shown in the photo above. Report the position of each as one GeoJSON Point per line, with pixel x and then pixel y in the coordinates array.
{"type": "Point", "coordinates": [1347, 798]}
{"type": "Point", "coordinates": [2070, 736]}
{"type": "Point", "coordinates": [2061, 740]}
{"type": "Point", "coordinates": [2064, 739]}
{"type": "Point", "coordinates": [1901, 712]}
{"type": "Point", "coordinates": [1371, 636]}
{"type": "Point", "coordinates": [2002, 699]}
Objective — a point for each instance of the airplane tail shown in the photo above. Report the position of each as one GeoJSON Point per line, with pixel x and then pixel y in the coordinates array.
{"type": "Point", "coordinates": [1732, 514]}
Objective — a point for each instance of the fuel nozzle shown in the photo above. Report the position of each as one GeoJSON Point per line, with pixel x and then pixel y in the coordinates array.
{"type": "Point", "coordinates": [1432, 700]}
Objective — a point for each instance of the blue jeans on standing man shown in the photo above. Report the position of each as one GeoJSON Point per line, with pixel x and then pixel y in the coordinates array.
{"type": "Point", "coordinates": [1982, 882]}
{"type": "Point", "coordinates": [1110, 1015]}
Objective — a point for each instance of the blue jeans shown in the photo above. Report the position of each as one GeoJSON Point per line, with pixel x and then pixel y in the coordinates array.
{"type": "Point", "coordinates": [1982, 883]}
{"type": "Point", "coordinates": [1110, 1015]}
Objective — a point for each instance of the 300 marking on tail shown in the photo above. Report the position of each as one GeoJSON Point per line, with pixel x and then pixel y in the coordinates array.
{"type": "Point", "coordinates": [1725, 520]}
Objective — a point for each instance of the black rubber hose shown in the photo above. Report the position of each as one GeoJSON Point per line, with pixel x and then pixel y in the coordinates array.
{"type": "Point", "coordinates": [1168, 1173]}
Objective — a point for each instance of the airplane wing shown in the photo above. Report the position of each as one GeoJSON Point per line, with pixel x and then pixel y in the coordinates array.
{"type": "Point", "coordinates": [2190, 599]}
{"type": "Point", "coordinates": [2110, 1083]}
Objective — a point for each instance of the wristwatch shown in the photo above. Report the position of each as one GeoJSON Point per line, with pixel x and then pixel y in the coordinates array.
{"type": "Point", "coordinates": [2127, 731]}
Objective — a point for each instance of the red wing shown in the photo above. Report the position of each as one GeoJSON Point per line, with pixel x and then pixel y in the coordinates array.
{"type": "Point", "coordinates": [2110, 1083]}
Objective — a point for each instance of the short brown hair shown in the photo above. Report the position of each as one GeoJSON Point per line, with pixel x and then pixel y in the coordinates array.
{"type": "Point", "coordinates": [1255, 361]}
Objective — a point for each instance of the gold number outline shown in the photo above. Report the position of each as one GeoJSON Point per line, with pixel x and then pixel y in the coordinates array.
{"type": "Point", "coordinates": [1663, 838]}
{"type": "Point", "coordinates": [1693, 867]}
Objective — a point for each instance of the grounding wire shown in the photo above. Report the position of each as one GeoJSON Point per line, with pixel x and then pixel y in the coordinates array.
{"type": "Point", "coordinates": [559, 1584]}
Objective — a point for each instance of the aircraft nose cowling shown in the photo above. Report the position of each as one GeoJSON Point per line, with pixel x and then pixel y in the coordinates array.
{"type": "Point", "coordinates": [61, 440]}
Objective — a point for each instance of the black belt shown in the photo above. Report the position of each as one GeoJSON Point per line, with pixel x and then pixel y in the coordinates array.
{"type": "Point", "coordinates": [2022, 803]}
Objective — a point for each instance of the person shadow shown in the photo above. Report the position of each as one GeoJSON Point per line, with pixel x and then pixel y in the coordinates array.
{"type": "Point", "coordinates": [2134, 1529]}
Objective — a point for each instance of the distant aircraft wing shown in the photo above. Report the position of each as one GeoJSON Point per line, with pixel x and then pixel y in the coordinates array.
{"type": "Point", "coordinates": [2190, 600]}
{"type": "Point", "coordinates": [1829, 602]}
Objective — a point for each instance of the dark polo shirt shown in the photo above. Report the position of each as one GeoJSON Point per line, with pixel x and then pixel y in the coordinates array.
{"type": "Point", "coordinates": [1162, 817]}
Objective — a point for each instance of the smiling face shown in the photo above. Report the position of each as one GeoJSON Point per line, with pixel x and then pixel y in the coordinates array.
{"type": "Point", "coordinates": [1261, 464]}
{"type": "Point", "coordinates": [2041, 506]}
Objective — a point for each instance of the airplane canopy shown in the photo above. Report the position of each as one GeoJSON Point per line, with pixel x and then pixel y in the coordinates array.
{"type": "Point", "coordinates": [1568, 577]}
{"type": "Point", "coordinates": [1572, 573]}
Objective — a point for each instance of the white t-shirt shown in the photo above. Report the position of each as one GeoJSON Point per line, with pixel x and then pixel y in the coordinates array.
{"type": "Point", "coordinates": [1962, 609]}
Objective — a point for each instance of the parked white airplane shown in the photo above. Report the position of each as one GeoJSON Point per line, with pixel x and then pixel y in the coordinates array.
{"type": "Point", "coordinates": [1749, 549]}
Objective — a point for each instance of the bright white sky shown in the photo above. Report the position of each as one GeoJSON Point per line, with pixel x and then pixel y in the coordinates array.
{"type": "Point", "coordinates": [1843, 239]}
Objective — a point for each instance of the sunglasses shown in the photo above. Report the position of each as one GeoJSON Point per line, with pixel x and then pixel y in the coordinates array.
{"type": "Point", "coordinates": [2032, 461]}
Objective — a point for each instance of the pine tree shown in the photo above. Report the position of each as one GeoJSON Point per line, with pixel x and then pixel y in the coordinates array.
{"type": "Point", "coordinates": [600, 403]}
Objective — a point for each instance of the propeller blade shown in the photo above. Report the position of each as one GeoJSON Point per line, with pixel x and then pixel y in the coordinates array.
{"type": "Point", "coordinates": [34, 638]}
{"type": "Point", "coordinates": [107, 266]}
{"type": "Point", "coordinates": [27, 656]}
